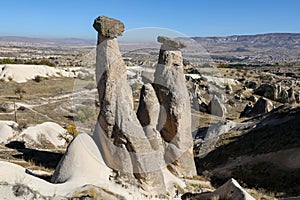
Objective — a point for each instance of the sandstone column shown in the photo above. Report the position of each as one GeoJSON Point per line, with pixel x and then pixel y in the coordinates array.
{"type": "Point", "coordinates": [175, 114]}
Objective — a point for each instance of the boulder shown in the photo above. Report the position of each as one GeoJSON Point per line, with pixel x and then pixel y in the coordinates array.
{"type": "Point", "coordinates": [270, 91]}
{"type": "Point", "coordinates": [229, 190]}
{"type": "Point", "coordinates": [262, 106]}
{"type": "Point", "coordinates": [175, 113]}
{"type": "Point", "coordinates": [171, 43]}
{"type": "Point", "coordinates": [108, 27]}
{"type": "Point", "coordinates": [215, 107]}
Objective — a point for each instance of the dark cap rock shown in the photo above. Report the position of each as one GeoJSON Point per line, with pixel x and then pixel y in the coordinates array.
{"type": "Point", "coordinates": [108, 27]}
{"type": "Point", "coordinates": [169, 42]}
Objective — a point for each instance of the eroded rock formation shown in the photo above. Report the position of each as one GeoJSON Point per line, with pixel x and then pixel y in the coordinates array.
{"type": "Point", "coordinates": [215, 107]}
{"type": "Point", "coordinates": [175, 113]}
{"type": "Point", "coordinates": [137, 145]}
{"type": "Point", "coordinates": [262, 106]}
{"type": "Point", "coordinates": [119, 134]}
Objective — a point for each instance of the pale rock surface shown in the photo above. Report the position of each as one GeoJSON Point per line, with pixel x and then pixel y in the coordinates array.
{"type": "Point", "coordinates": [232, 190]}
{"type": "Point", "coordinates": [175, 113]}
{"type": "Point", "coordinates": [13, 177]}
{"type": "Point", "coordinates": [82, 160]}
{"type": "Point", "coordinates": [220, 81]}
{"type": "Point", "coordinates": [148, 114]}
{"type": "Point", "coordinates": [47, 133]}
{"type": "Point", "coordinates": [6, 131]}
{"type": "Point", "coordinates": [21, 73]}
{"type": "Point", "coordinates": [216, 107]}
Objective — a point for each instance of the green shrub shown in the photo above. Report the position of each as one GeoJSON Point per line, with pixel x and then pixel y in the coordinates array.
{"type": "Point", "coordinates": [86, 114]}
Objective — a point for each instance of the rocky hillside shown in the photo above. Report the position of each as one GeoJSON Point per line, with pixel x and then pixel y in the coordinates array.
{"type": "Point", "coordinates": [266, 48]}
{"type": "Point", "coordinates": [263, 155]}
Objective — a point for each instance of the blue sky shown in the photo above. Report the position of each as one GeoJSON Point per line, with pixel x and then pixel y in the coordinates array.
{"type": "Point", "coordinates": [64, 18]}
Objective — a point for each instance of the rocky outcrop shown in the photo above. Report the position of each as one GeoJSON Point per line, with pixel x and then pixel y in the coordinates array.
{"type": "Point", "coordinates": [229, 190]}
{"type": "Point", "coordinates": [262, 106]}
{"type": "Point", "coordinates": [270, 91]}
{"type": "Point", "coordinates": [277, 93]}
{"type": "Point", "coordinates": [215, 107]}
{"type": "Point", "coordinates": [175, 113]}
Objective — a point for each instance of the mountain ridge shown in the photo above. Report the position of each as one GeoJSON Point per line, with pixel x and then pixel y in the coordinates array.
{"type": "Point", "coordinates": [197, 38]}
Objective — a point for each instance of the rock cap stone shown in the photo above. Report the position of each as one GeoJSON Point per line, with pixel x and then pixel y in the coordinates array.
{"type": "Point", "coordinates": [108, 27]}
{"type": "Point", "coordinates": [170, 42]}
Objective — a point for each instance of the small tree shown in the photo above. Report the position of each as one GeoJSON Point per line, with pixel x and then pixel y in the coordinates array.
{"type": "Point", "coordinates": [70, 134]}
{"type": "Point", "coordinates": [71, 129]}
{"type": "Point", "coordinates": [37, 79]}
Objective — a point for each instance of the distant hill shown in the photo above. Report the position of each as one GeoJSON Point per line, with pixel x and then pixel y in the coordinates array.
{"type": "Point", "coordinates": [261, 48]}
{"type": "Point", "coordinates": [290, 40]}
{"type": "Point", "coordinates": [49, 41]}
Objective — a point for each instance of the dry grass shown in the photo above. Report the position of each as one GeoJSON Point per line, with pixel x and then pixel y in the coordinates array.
{"type": "Point", "coordinates": [261, 194]}
{"type": "Point", "coordinates": [32, 166]}
{"type": "Point", "coordinates": [45, 88]}
{"type": "Point", "coordinates": [96, 193]}
{"type": "Point", "coordinates": [36, 93]}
